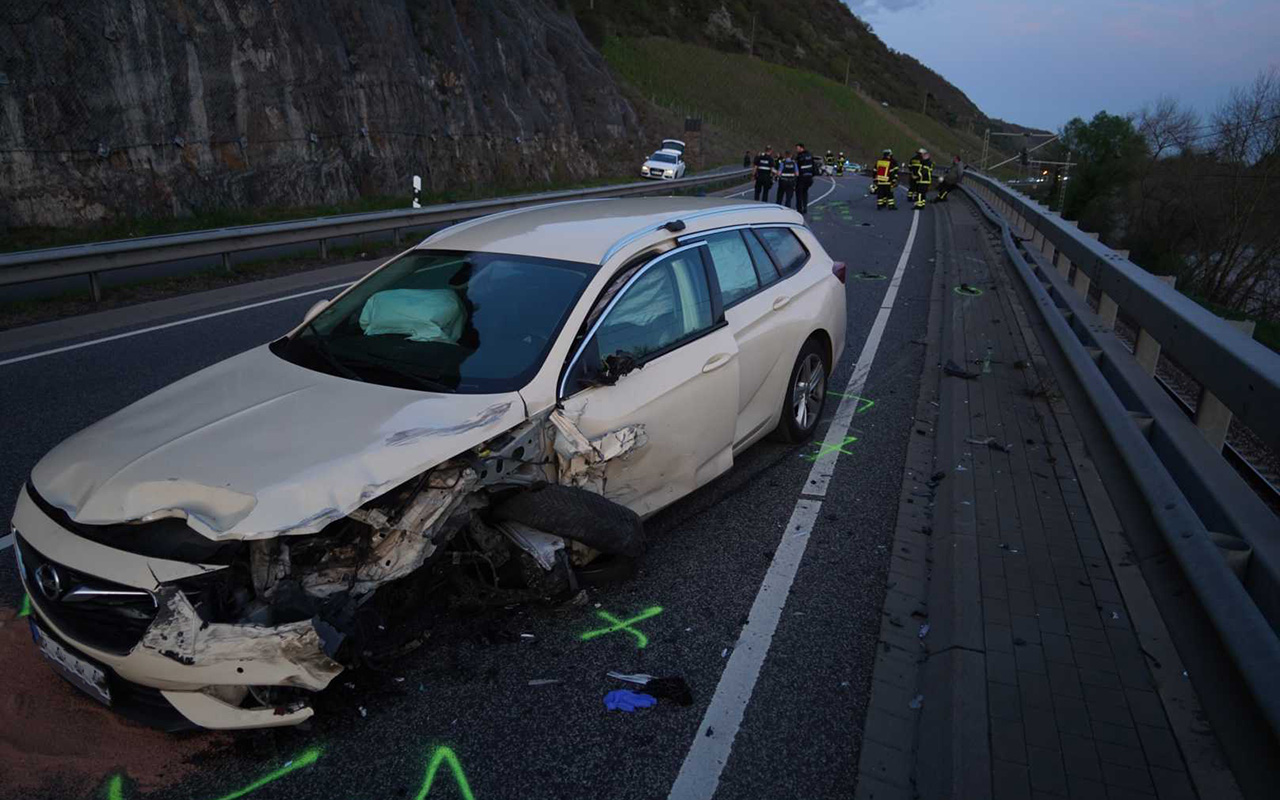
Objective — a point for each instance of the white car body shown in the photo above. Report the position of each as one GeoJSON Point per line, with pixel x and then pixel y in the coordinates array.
{"type": "Point", "coordinates": [259, 457]}
{"type": "Point", "coordinates": [664, 165]}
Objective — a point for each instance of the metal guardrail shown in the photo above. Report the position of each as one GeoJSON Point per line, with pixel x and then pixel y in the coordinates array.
{"type": "Point", "coordinates": [1201, 506]}
{"type": "Point", "coordinates": [96, 257]}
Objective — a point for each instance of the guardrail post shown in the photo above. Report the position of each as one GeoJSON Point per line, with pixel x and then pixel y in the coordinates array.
{"type": "Point", "coordinates": [95, 287]}
{"type": "Point", "coordinates": [1147, 349]}
{"type": "Point", "coordinates": [226, 262]}
{"type": "Point", "coordinates": [1108, 308]}
{"type": "Point", "coordinates": [324, 249]}
{"type": "Point", "coordinates": [395, 236]}
{"type": "Point", "coordinates": [1212, 417]}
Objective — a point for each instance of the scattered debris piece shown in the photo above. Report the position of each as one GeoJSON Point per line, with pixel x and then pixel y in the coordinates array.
{"type": "Point", "coordinates": [990, 441]}
{"type": "Point", "coordinates": [1021, 363]}
{"type": "Point", "coordinates": [956, 371]}
{"type": "Point", "coordinates": [724, 652]}
{"type": "Point", "coordinates": [961, 468]}
{"type": "Point", "coordinates": [364, 713]}
{"type": "Point", "coordinates": [628, 701]}
{"type": "Point", "coordinates": [937, 477]}
{"type": "Point", "coordinates": [924, 630]}
{"type": "Point", "coordinates": [916, 702]}
{"type": "Point", "coordinates": [527, 636]}
{"type": "Point", "coordinates": [544, 681]}
{"type": "Point", "coordinates": [673, 688]}
{"type": "Point", "coordinates": [713, 730]}
{"type": "Point", "coordinates": [638, 678]}
{"type": "Point", "coordinates": [1114, 615]}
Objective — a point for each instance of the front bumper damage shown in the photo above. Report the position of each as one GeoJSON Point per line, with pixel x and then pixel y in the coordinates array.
{"type": "Point", "coordinates": [242, 644]}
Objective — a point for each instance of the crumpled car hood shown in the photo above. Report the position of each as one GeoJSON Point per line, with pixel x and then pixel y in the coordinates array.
{"type": "Point", "coordinates": [255, 447]}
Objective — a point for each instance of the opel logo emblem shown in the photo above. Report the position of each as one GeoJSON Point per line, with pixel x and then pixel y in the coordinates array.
{"type": "Point", "coordinates": [49, 581]}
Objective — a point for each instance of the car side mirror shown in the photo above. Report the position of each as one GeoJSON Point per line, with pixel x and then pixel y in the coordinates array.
{"type": "Point", "coordinates": [320, 305]}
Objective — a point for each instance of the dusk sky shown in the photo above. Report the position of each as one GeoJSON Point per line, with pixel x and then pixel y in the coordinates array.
{"type": "Point", "coordinates": [1042, 62]}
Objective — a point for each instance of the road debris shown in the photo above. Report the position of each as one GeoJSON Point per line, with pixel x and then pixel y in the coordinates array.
{"type": "Point", "coordinates": [924, 630]}
{"type": "Point", "coordinates": [990, 441]}
{"type": "Point", "coordinates": [916, 702]}
{"type": "Point", "coordinates": [544, 681]}
{"type": "Point", "coordinates": [956, 371]}
{"type": "Point", "coordinates": [628, 701]}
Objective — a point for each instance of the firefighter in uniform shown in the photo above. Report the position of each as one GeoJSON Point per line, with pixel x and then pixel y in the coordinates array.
{"type": "Point", "coordinates": [788, 174]}
{"type": "Point", "coordinates": [807, 169]}
{"type": "Point", "coordinates": [923, 177]}
{"type": "Point", "coordinates": [763, 172]}
{"type": "Point", "coordinates": [840, 163]}
{"type": "Point", "coordinates": [913, 172]}
{"type": "Point", "coordinates": [830, 161]}
{"type": "Point", "coordinates": [886, 177]}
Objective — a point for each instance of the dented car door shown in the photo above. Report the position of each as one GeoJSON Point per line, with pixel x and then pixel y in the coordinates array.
{"type": "Point", "coordinates": [660, 357]}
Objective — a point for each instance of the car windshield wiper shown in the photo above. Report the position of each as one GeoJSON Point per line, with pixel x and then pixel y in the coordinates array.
{"type": "Point", "coordinates": [318, 344]}
{"type": "Point", "coordinates": [432, 383]}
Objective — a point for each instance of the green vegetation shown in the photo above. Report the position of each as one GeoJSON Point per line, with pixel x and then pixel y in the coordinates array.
{"type": "Point", "coordinates": [946, 142]}
{"type": "Point", "coordinates": [749, 103]}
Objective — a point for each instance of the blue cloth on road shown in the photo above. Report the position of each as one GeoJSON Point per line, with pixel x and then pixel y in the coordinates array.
{"type": "Point", "coordinates": [627, 700]}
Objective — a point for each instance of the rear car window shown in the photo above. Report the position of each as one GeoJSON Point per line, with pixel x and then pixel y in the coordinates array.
{"type": "Point", "coordinates": [785, 248]}
{"type": "Point", "coordinates": [734, 269]}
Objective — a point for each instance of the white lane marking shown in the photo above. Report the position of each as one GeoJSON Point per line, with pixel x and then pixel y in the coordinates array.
{"type": "Point", "coordinates": [823, 468]}
{"type": "Point", "coordinates": [699, 775]}
{"type": "Point", "coordinates": [166, 325]}
{"type": "Point", "coordinates": [6, 542]}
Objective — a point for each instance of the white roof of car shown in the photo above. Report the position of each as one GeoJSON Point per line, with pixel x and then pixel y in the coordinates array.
{"type": "Point", "coordinates": [587, 230]}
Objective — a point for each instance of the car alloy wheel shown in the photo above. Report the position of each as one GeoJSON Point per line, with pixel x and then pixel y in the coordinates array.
{"type": "Point", "coordinates": [808, 392]}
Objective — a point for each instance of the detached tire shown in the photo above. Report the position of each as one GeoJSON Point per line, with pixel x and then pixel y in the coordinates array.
{"type": "Point", "coordinates": [579, 515]}
{"type": "Point", "coordinates": [806, 395]}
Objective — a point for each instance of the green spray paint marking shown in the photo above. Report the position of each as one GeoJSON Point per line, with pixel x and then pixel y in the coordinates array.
{"type": "Point", "coordinates": [445, 755]}
{"type": "Point", "coordinates": [863, 403]}
{"type": "Point", "coordinates": [115, 785]}
{"type": "Point", "coordinates": [832, 448]}
{"type": "Point", "coordinates": [869, 276]}
{"type": "Point", "coordinates": [25, 611]}
{"type": "Point", "coordinates": [616, 625]}
{"type": "Point", "coordinates": [967, 291]}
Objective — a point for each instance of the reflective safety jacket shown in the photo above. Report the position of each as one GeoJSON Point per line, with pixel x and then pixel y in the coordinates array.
{"type": "Point", "coordinates": [886, 170]}
{"type": "Point", "coordinates": [913, 167]}
{"type": "Point", "coordinates": [764, 168]}
{"type": "Point", "coordinates": [788, 170]}
{"type": "Point", "coordinates": [804, 162]}
{"type": "Point", "coordinates": [926, 171]}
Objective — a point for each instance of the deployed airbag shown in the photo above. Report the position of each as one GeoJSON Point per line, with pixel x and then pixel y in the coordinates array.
{"type": "Point", "coordinates": [422, 315]}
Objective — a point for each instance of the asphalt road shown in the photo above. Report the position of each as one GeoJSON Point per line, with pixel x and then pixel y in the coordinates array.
{"type": "Point", "coordinates": [468, 689]}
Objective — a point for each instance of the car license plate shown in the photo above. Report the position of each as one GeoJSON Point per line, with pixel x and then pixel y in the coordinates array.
{"type": "Point", "coordinates": [83, 674]}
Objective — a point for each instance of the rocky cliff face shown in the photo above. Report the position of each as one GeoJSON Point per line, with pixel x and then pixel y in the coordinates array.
{"type": "Point", "coordinates": [165, 107]}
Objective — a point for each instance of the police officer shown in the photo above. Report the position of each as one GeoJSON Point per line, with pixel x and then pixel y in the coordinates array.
{"type": "Point", "coordinates": [807, 170]}
{"type": "Point", "coordinates": [923, 177]}
{"type": "Point", "coordinates": [886, 177]}
{"type": "Point", "coordinates": [763, 172]}
{"type": "Point", "coordinates": [788, 175]}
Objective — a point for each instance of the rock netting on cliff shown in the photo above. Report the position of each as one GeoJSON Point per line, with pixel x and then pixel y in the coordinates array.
{"type": "Point", "coordinates": [162, 107]}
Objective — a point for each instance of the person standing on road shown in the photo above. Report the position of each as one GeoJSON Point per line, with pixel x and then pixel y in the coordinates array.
{"type": "Point", "coordinates": [913, 171]}
{"type": "Point", "coordinates": [924, 177]}
{"type": "Point", "coordinates": [805, 168]}
{"type": "Point", "coordinates": [763, 172]}
{"type": "Point", "coordinates": [746, 159]}
{"type": "Point", "coordinates": [788, 175]}
{"type": "Point", "coordinates": [886, 177]}
{"type": "Point", "coordinates": [955, 174]}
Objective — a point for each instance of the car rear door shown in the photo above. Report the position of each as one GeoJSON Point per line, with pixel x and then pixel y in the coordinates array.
{"type": "Point", "coordinates": [667, 320]}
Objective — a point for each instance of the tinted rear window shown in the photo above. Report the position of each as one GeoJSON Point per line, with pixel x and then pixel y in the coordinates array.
{"type": "Point", "coordinates": [785, 248]}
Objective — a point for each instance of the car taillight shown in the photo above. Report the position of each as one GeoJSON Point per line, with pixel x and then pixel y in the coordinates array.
{"type": "Point", "coordinates": [838, 269]}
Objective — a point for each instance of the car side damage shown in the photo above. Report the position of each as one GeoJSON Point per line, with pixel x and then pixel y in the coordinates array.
{"type": "Point", "coordinates": [518, 518]}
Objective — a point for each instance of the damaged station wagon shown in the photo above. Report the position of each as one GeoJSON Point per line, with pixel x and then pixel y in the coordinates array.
{"type": "Point", "coordinates": [485, 418]}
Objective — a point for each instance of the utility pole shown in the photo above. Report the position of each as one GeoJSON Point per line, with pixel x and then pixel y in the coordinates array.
{"type": "Point", "coordinates": [925, 109]}
{"type": "Point", "coordinates": [847, 64]}
{"type": "Point", "coordinates": [751, 47]}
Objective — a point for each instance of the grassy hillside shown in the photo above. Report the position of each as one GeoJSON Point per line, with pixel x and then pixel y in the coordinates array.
{"type": "Point", "coordinates": [820, 36]}
{"type": "Point", "coordinates": [746, 103]}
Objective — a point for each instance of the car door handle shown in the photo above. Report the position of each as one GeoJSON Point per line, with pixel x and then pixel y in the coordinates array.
{"type": "Point", "coordinates": [779, 302]}
{"type": "Point", "coordinates": [716, 362]}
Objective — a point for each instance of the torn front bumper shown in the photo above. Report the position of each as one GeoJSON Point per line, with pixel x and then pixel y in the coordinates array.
{"type": "Point", "coordinates": [202, 670]}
